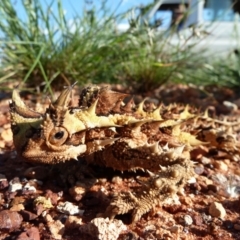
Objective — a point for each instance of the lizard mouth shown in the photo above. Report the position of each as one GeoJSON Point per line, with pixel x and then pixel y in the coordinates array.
{"type": "Point", "coordinates": [53, 157]}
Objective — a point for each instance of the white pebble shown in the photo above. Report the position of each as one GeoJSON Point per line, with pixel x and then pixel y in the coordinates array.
{"type": "Point", "coordinates": [103, 228]}
{"type": "Point", "coordinates": [187, 219]}
{"type": "Point", "coordinates": [13, 187]}
{"type": "Point", "coordinates": [69, 208]}
{"type": "Point", "coordinates": [29, 187]}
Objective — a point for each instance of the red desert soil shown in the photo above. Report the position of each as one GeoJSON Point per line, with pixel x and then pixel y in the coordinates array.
{"type": "Point", "coordinates": [38, 202]}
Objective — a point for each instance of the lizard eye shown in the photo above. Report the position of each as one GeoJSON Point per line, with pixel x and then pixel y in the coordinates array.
{"type": "Point", "coordinates": [58, 136]}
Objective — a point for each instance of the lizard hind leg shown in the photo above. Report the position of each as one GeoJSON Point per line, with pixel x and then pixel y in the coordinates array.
{"type": "Point", "coordinates": [158, 189]}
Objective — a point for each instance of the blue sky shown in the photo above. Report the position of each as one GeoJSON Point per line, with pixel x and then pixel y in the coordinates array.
{"type": "Point", "coordinates": [73, 7]}
{"type": "Point", "coordinates": [76, 7]}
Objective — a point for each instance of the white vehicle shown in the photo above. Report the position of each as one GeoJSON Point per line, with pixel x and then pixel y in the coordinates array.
{"type": "Point", "coordinates": [213, 23]}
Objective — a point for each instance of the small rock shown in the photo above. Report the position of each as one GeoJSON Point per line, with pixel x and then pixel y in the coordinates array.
{"type": "Point", "coordinates": [7, 135]}
{"type": "Point", "coordinates": [57, 229]}
{"type": "Point", "coordinates": [130, 235]}
{"type": "Point", "coordinates": [102, 180]}
{"type": "Point", "coordinates": [206, 218]}
{"type": "Point", "coordinates": [205, 160]}
{"type": "Point", "coordinates": [217, 210]}
{"type": "Point", "coordinates": [54, 197]}
{"type": "Point", "coordinates": [69, 208]}
{"type": "Point", "coordinates": [17, 207]}
{"type": "Point", "coordinates": [236, 157]}
{"type": "Point", "coordinates": [3, 182]}
{"type": "Point", "coordinates": [45, 202]}
{"type": "Point", "coordinates": [150, 227]}
{"type": "Point", "coordinates": [117, 180]}
{"type": "Point", "coordinates": [14, 186]}
{"type": "Point", "coordinates": [103, 228]}
{"type": "Point", "coordinates": [31, 233]}
{"type": "Point", "coordinates": [28, 189]}
{"type": "Point", "coordinates": [196, 188]}
{"type": "Point", "coordinates": [175, 229]}
{"type": "Point", "coordinates": [212, 227]}
{"type": "Point", "coordinates": [186, 201]}
{"type": "Point", "coordinates": [28, 216]}
{"type": "Point", "coordinates": [213, 188]}
{"type": "Point", "coordinates": [10, 220]}
{"type": "Point", "coordinates": [39, 209]}
{"type": "Point", "coordinates": [187, 220]}
{"type": "Point", "coordinates": [220, 165]}
{"type": "Point", "coordinates": [73, 222]}
{"type": "Point", "coordinates": [48, 218]}
{"type": "Point", "coordinates": [227, 161]}
{"type": "Point", "coordinates": [236, 227]}
{"type": "Point", "coordinates": [199, 169]}
{"type": "Point", "coordinates": [197, 219]}
{"type": "Point", "coordinates": [192, 180]}
{"type": "Point", "coordinates": [77, 192]}
{"type": "Point", "coordinates": [17, 200]}
{"type": "Point", "coordinates": [175, 208]}
{"type": "Point", "coordinates": [205, 179]}
{"type": "Point", "coordinates": [198, 153]}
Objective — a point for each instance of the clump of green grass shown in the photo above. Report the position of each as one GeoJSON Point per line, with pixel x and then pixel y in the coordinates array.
{"type": "Point", "coordinates": [153, 60]}
{"type": "Point", "coordinates": [42, 49]}
{"type": "Point", "coordinates": [225, 73]}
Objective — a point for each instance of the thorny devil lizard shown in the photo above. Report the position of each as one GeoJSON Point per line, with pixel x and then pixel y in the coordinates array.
{"type": "Point", "coordinates": [123, 136]}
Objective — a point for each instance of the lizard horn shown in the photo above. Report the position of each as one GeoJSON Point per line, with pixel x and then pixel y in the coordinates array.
{"type": "Point", "coordinates": [18, 107]}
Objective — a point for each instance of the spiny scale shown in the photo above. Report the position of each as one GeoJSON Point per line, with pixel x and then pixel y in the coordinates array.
{"type": "Point", "coordinates": [110, 132]}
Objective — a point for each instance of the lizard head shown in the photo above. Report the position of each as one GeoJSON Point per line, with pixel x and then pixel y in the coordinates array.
{"type": "Point", "coordinates": [44, 137]}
